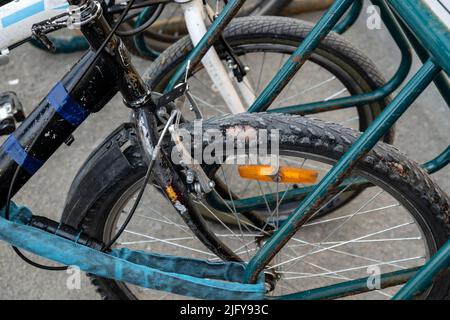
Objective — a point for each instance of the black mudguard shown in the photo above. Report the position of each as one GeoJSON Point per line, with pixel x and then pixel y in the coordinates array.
{"type": "Point", "coordinates": [105, 164]}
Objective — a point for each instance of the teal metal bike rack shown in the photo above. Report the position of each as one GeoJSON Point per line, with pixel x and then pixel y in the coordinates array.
{"type": "Point", "coordinates": [395, 31]}
{"type": "Point", "coordinates": [139, 40]}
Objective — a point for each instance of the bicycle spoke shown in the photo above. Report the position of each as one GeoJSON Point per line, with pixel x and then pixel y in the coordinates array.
{"type": "Point", "coordinates": [352, 216]}
{"type": "Point", "coordinates": [310, 224]}
{"type": "Point", "coordinates": [184, 228]}
{"type": "Point", "coordinates": [359, 241]}
{"type": "Point", "coordinates": [203, 102]}
{"type": "Point", "coordinates": [258, 87]}
{"type": "Point", "coordinates": [302, 92]}
{"type": "Point", "coordinates": [168, 242]}
{"type": "Point", "coordinates": [365, 267]}
{"type": "Point", "coordinates": [348, 254]}
{"type": "Point", "coordinates": [335, 95]}
{"type": "Point", "coordinates": [344, 243]}
{"type": "Point", "coordinates": [337, 276]}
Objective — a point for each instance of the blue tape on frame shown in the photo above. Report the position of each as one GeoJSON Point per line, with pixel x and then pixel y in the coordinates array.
{"type": "Point", "coordinates": [66, 107]}
{"type": "Point", "coordinates": [13, 148]}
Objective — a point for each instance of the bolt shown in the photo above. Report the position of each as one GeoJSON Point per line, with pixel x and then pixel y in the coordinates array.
{"type": "Point", "coordinates": [190, 177]}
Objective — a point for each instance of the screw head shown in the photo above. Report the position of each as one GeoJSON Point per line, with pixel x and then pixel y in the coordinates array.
{"type": "Point", "coordinates": [190, 177]}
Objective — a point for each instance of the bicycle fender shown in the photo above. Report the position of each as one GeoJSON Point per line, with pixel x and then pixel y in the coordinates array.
{"type": "Point", "coordinates": [103, 166]}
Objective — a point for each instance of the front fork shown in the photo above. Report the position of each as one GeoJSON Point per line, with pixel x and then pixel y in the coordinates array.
{"type": "Point", "coordinates": [138, 97]}
{"type": "Point", "coordinates": [173, 185]}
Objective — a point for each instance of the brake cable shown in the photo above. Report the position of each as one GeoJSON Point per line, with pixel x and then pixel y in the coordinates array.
{"type": "Point", "coordinates": [151, 20]}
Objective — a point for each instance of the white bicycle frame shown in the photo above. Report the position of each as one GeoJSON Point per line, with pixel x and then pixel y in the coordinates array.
{"type": "Point", "coordinates": [18, 17]}
{"type": "Point", "coordinates": [195, 16]}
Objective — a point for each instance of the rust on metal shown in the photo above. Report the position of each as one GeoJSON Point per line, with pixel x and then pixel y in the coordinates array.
{"type": "Point", "coordinates": [297, 59]}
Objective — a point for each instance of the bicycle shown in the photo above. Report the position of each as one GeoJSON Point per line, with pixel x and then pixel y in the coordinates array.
{"type": "Point", "coordinates": [383, 168]}
{"type": "Point", "coordinates": [245, 29]}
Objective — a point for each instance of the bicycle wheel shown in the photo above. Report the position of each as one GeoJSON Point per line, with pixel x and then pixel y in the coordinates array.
{"type": "Point", "coordinates": [397, 223]}
{"type": "Point", "coordinates": [263, 44]}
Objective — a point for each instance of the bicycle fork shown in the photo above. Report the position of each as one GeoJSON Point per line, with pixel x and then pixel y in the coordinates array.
{"type": "Point", "coordinates": [195, 15]}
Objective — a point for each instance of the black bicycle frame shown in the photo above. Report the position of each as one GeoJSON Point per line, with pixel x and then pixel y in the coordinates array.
{"type": "Point", "coordinates": [79, 93]}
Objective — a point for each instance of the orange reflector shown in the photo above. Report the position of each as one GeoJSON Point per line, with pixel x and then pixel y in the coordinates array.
{"type": "Point", "coordinates": [283, 175]}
